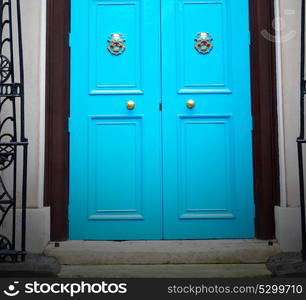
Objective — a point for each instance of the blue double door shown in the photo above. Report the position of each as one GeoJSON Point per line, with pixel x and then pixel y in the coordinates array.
{"type": "Point", "coordinates": [160, 120]}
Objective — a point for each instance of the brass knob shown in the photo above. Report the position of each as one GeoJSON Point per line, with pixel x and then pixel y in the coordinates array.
{"type": "Point", "coordinates": [130, 105]}
{"type": "Point", "coordinates": [190, 104]}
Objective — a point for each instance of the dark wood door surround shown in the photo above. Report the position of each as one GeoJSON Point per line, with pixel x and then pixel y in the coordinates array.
{"type": "Point", "coordinates": [265, 141]}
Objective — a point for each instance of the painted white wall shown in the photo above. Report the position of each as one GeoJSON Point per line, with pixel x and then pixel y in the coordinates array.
{"type": "Point", "coordinates": [288, 227]}
{"type": "Point", "coordinates": [290, 22]}
{"type": "Point", "coordinates": [34, 36]}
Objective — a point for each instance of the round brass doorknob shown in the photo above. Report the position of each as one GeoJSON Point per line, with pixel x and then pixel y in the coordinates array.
{"type": "Point", "coordinates": [190, 104]}
{"type": "Point", "coordinates": [130, 105]}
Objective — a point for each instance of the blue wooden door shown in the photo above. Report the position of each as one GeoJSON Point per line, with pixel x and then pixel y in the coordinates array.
{"type": "Point", "coordinates": [142, 170]}
{"type": "Point", "coordinates": [207, 124]}
{"type": "Point", "coordinates": [115, 157]}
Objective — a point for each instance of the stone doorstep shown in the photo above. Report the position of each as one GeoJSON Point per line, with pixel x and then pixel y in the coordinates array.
{"type": "Point", "coordinates": [166, 271]}
{"type": "Point", "coordinates": [162, 252]}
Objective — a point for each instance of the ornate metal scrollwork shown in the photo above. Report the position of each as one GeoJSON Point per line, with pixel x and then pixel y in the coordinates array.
{"type": "Point", "coordinates": [5, 68]}
{"type": "Point", "coordinates": [116, 44]}
{"type": "Point", "coordinates": [5, 245]}
{"type": "Point", "coordinates": [12, 137]}
{"type": "Point", "coordinates": [203, 43]}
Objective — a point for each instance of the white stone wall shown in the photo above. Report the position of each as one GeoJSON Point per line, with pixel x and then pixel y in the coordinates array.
{"type": "Point", "coordinates": [290, 55]}
{"type": "Point", "coordinates": [34, 33]}
{"type": "Point", "coordinates": [288, 227]}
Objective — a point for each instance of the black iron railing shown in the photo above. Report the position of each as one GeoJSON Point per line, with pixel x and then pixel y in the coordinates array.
{"type": "Point", "coordinates": [13, 144]}
{"type": "Point", "coordinates": [301, 139]}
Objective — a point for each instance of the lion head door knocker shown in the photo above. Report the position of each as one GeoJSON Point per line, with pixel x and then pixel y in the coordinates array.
{"type": "Point", "coordinates": [203, 43]}
{"type": "Point", "coordinates": [116, 44]}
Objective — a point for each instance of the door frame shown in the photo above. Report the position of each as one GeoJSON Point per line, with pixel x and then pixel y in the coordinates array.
{"type": "Point", "coordinates": [264, 106]}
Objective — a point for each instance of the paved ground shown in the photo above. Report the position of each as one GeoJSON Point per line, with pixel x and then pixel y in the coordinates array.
{"type": "Point", "coordinates": [167, 271]}
{"type": "Point", "coordinates": [162, 252]}
{"type": "Point", "coordinates": [35, 265]}
{"type": "Point", "coordinates": [287, 265]}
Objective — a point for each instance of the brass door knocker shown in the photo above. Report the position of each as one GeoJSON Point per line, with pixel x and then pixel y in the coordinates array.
{"type": "Point", "coordinates": [203, 43]}
{"type": "Point", "coordinates": [116, 44]}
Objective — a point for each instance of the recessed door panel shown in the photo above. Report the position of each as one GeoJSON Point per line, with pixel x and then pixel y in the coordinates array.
{"type": "Point", "coordinates": [202, 73]}
{"type": "Point", "coordinates": [115, 73]}
{"type": "Point", "coordinates": [205, 158]}
{"type": "Point", "coordinates": [120, 138]}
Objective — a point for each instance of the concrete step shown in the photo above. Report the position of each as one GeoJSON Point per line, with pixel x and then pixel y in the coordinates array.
{"type": "Point", "coordinates": [162, 252]}
{"type": "Point", "coordinates": [167, 271]}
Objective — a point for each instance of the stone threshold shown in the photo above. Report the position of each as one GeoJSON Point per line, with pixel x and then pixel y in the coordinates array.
{"type": "Point", "coordinates": [95, 253]}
